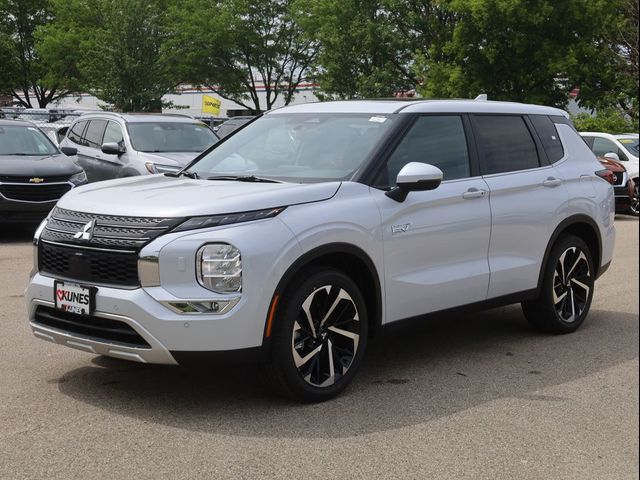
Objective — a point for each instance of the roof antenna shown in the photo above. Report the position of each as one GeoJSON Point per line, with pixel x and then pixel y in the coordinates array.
{"type": "Point", "coordinates": [481, 98]}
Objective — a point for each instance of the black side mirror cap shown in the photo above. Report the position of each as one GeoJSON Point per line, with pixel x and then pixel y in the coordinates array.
{"type": "Point", "coordinates": [69, 151]}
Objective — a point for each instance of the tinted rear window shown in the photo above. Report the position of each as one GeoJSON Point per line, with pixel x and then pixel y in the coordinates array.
{"type": "Point", "coordinates": [549, 137]}
{"type": "Point", "coordinates": [506, 143]}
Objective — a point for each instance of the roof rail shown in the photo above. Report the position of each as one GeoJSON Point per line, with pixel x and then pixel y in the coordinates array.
{"type": "Point", "coordinates": [120, 114]}
{"type": "Point", "coordinates": [101, 112]}
{"type": "Point", "coordinates": [163, 114]}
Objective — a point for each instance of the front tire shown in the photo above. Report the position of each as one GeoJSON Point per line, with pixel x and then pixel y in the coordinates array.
{"type": "Point", "coordinates": [633, 208]}
{"type": "Point", "coordinates": [567, 288]}
{"type": "Point", "coordinates": [320, 336]}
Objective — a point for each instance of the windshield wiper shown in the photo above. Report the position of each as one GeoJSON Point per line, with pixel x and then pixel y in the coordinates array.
{"type": "Point", "coordinates": [193, 175]}
{"type": "Point", "coordinates": [243, 178]}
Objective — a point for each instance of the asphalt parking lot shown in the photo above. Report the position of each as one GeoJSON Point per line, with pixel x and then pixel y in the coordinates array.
{"type": "Point", "coordinates": [468, 396]}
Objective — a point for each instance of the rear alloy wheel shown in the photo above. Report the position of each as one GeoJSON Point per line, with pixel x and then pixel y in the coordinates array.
{"type": "Point", "coordinates": [320, 336]}
{"type": "Point", "coordinates": [633, 208]}
{"type": "Point", "coordinates": [571, 284]}
{"type": "Point", "coordinates": [567, 288]}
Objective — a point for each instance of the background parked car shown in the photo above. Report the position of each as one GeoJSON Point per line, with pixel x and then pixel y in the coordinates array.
{"type": "Point", "coordinates": [623, 148]}
{"type": "Point", "coordinates": [114, 145]}
{"type": "Point", "coordinates": [231, 125]}
{"type": "Point", "coordinates": [34, 173]}
{"type": "Point", "coordinates": [623, 186]}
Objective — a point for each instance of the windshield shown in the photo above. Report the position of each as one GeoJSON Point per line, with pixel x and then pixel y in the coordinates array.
{"type": "Point", "coordinates": [630, 144]}
{"type": "Point", "coordinates": [170, 136]}
{"type": "Point", "coordinates": [24, 140]}
{"type": "Point", "coordinates": [298, 147]}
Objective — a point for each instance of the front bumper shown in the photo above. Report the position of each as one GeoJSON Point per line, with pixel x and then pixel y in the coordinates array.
{"type": "Point", "coordinates": [623, 198]}
{"type": "Point", "coordinates": [14, 211]}
{"type": "Point", "coordinates": [163, 329]}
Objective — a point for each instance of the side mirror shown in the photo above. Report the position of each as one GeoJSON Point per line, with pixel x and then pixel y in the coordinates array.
{"type": "Point", "coordinates": [112, 148]}
{"type": "Point", "coordinates": [612, 156]}
{"type": "Point", "coordinates": [415, 176]}
{"type": "Point", "coordinates": [69, 151]}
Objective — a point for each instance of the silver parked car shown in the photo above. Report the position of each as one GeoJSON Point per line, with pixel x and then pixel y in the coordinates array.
{"type": "Point", "coordinates": [113, 145]}
{"type": "Point", "coordinates": [312, 228]}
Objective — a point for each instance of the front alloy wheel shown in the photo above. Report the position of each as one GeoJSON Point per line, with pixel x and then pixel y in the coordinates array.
{"type": "Point", "coordinates": [325, 336]}
{"type": "Point", "coordinates": [319, 335]}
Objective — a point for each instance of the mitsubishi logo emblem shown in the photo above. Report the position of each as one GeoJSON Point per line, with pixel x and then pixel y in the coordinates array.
{"type": "Point", "coordinates": [87, 231]}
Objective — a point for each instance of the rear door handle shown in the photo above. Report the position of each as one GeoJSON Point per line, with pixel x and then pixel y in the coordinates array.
{"type": "Point", "coordinates": [552, 182]}
{"type": "Point", "coordinates": [474, 193]}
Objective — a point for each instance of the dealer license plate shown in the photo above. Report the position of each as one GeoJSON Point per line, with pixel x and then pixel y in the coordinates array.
{"type": "Point", "coordinates": [74, 298]}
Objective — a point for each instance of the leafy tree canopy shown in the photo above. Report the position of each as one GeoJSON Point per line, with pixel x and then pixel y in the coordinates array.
{"type": "Point", "coordinates": [609, 120]}
{"type": "Point", "coordinates": [114, 49]}
{"type": "Point", "coordinates": [23, 72]}
{"type": "Point", "coordinates": [237, 47]}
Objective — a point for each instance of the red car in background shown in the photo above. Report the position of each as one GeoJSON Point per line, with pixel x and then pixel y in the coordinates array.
{"type": "Point", "coordinates": [623, 186]}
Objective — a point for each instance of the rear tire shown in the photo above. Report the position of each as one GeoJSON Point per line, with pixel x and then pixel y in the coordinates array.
{"type": "Point", "coordinates": [567, 288]}
{"type": "Point", "coordinates": [319, 336]}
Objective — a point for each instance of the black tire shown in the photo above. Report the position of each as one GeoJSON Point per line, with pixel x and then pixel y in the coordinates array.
{"type": "Point", "coordinates": [308, 292]}
{"type": "Point", "coordinates": [633, 208]}
{"type": "Point", "coordinates": [567, 288]}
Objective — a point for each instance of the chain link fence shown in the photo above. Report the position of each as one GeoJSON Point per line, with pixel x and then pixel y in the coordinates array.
{"type": "Point", "coordinates": [54, 123]}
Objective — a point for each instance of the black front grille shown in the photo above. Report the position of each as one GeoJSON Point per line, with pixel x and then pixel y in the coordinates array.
{"type": "Point", "coordinates": [618, 178]}
{"type": "Point", "coordinates": [34, 179]}
{"type": "Point", "coordinates": [109, 231]}
{"type": "Point", "coordinates": [96, 328]}
{"type": "Point", "coordinates": [622, 191]}
{"type": "Point", "coordinates": [90, 266]}
{"type": "Point", "coordinates": [97, 249]}
{"type": "Point", "coordinates": [34, 193]}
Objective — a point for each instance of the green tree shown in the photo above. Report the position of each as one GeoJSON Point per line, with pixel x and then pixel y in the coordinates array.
{"type": "Point", "coordinates": [114, 49]}
{"type": "Point", "coordinates": [24, 73]}
{"type": "Point", "coordinates": [368, 46]}
{"type": "Point", "coordinates": [610, 79]}
{"type": "Point", "coordinates": [519, 50]}
{"type": "Point", "coordinates": [609, 120]}
{"type": "Point", "coordinates": [237, 47]}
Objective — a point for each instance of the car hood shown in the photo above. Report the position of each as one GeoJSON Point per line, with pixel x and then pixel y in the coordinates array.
{"type": "Point", "coordinates": [37, 165]}
{"type": "Point", "coordinates": [161, 196]}
{"type": "Point", "coordinates": [178, 159]}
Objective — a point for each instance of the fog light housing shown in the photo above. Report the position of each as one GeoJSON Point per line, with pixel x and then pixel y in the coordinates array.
{"type": "Point", "coordinates": [219, 268]}
{"type": "Point", "coordinates": [212, 307]}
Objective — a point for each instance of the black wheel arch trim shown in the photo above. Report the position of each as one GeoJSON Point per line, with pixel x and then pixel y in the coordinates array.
{"type": "Point", "coordinates": [576, 219]}
{"type": "Point", "coordinates": [332, 248]}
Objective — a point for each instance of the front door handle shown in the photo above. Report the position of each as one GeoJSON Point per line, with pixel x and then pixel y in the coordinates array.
{"type": "Point", "coordinates": [474, 193]}
{"type": "Point", "coordinates": [552, 182]}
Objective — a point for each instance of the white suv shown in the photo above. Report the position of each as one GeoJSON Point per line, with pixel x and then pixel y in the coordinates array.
{"type": "Point", "coordinates": [298, 237]}
{"type": "Point", "coordinates": [623, 148]}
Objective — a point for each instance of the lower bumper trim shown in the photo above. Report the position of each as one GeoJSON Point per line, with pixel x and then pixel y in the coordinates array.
{"type": "Point", "coordinates": [244, 356]}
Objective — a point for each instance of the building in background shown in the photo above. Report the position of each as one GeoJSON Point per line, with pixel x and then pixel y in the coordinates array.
{"type": "Point", "coordinates": [191, 101]}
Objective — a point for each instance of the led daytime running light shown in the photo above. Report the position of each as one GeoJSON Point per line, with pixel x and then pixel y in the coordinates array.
{"type": "Point", "coordinates": [227, 219]}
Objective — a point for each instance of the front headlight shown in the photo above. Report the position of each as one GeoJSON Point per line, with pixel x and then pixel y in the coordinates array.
{"type": "Point", "coordinates": [219, 268]}
{"type": "Point", "coordinates": [159, 168]}
{"type": "Point", "coordinates": [79, 178]}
